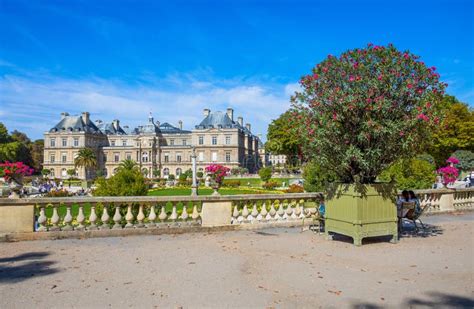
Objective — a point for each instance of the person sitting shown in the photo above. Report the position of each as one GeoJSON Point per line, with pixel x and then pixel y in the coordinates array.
{"type": "Point", "coordinates": [322, 215]}
{"type": "Point", "coordinates": [404, 198]}
{"type": "Point", "coordinates": [414, 199]}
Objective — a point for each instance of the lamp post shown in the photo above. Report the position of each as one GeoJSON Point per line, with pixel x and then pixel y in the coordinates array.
{"type": "Point", "coordinates": [194, 187]}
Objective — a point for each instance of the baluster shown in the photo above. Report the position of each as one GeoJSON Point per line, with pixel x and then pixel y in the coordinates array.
{"type": "Point", "coordinates": [263, 212]}
{"type": "Point", "coordinates": [117, 218]}
{"type": "Point", "coordinates": [151, 217]}
{"type": "Point", "coordinates": [184, 214]}
{"type": "Point", "coordinates": [80, 218]}
{"type": "Point", "coordinates": [92, 219]}
{"type": "Point", "coordinates": [289, 211]}
{"type": "Point", "coordinates": [280, 213]}
{"type": "Point", "coordinates": [67, 219]}
{"type": "Point", "coordinates": [162, 215]}
{"type": "Point", "coordinates": [55, 219]}
{"type": "Point", "coordinates": [174, 214]}
{"type": "Point", "coordinates": [105, 219]}
{"type": "Point", "coordinates": [245, 213]}
{"type": "Point", "coordinates": [297, 211]}
{"type": "Point", "coordinates": [129, 217]}
{"type": "Point", "coordinates": [195, 215]}
{"type": "Point", "coordinates": [42, 219]}
{"type": "Point", "coordinates": [271, 214]}
{"type": "Point", "coordinates": [235, 215]}
{"type": "Point", "coordinates": [140, 216]}
{"type": "Point", "coordinates": [254, 213]}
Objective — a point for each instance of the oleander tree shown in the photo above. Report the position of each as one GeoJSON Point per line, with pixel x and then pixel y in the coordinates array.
{"type": "Point", "coordinates": [360, 112]}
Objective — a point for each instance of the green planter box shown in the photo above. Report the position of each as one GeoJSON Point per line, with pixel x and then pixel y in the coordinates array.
{"type": "Point", "coordinates": [359, 216]}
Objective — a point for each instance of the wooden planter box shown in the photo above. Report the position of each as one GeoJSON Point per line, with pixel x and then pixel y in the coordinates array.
{"type": "Point", "coordinates": [359, 215]}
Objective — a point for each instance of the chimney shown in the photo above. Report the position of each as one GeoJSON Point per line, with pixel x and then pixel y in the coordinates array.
{"type": "Point", "coordinates": [116, 124]}
{"type": "Point", "coordinates": [180, 124]}
{"type": "Point", "coordinates": [85, 117]}
{"type": "Point", "coordinates": [247, 125]}
{"type": "Point", "coordinates": [206, 111]}
{"type": "Point", "coordinates": [64, 115]}
{"type": "Point", "coordinates": [240, 120]}
{"type": "Point", "coordinates": [230, 113]}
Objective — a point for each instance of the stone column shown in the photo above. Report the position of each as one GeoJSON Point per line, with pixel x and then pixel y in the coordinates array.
{"type": "Point", "coordinates": [194, 187]}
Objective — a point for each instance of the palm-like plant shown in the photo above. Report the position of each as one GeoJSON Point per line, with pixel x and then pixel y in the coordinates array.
{"type": "Point", "coordinates": [128, 164]}
{"type": "Point", "coordinates": [86, 158]}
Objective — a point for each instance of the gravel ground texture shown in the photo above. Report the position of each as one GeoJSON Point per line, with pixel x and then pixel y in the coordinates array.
{"type": "Point", "coordinates": [272, 268]}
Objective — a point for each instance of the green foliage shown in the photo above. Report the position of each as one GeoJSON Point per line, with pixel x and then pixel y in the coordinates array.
{"type": "Point", "coordinates": [265, 174]}
{"type": "Point", "coordinates": [466, 160]}
{"type": "Point", "coordinates": [87, 159]}
{"type": "Point", "coordinates": [199, 174]}
{"type": "Point", "coordinates": [316, 177]}
{"type": "Point", "coordinates": [270, 185]}
{"type": "Point", "coordinates": [4, 136]}
{"type": "Point", "coordinates": [183, 177]}
{"type": "Point", "coordinates": [233, 183]}
{"type": "Point", "coordinates": [156, 173]}
{"type": "Point", "coordinates": [283, 139]}
{"type": "Point", "coordinates": [426, 157]}
{"type": "Point", "coordinates": [71, 172]}
{"type": "Point", "coordinates": [171, 177]}
{"type": "Point", "coordinates": [455, 132]}
{"type": "Point", "coordinates": [15, 152]}
{"type": "Point", "coordinates": [360, 112]}
{"type": "Point", "coordinates": [125, 182]}
{"type": "Point", "coordinates": [410, 174]}
{"type": "Point", "coordinates": [294, 188]}
{"type": "Point", "coordinates": [45, 172]}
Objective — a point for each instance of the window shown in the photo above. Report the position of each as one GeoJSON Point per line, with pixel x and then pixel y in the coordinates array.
{"type": "Point", "coordinates": [63, 173]}
{"type": "Point", "coordinates": [214, 156]}
{"type": "Point", "coordinates": [184, 142]}
{"type": "Point", "coordinates": [167, 158]}
{"type": "Point", "coordinates": [76, 142]}
{"type": "Point", "coordinates": [52, 142]}
{"type": "Point", "coordinates": [52, 158]}
{"type": "Point", "coordinates": [166, 171]}
{"type": "Point", "coordinates": [227, 140]}
{"type": "Point", "coordinates": [63, 157]}
{"type": "Point", "coordinates": [201, 156]}
{"type": "Point", "coordinates": [214, 140]}
{"type": "Point", "coordinates": [178, 171]}
{"type": "Point", "coordinates": [124, 142]}
{"type": "Point", "coordinates": [128, 155]}
{"type": "Point", "coordinates": [172, 142]}
{"type": "Point", "coordinates": [64, 142]}
{"type": "Point", "coordinates": [51, 172]}
{"type": "Point", "coordinates": [145, 157]}
{"type": "Point", "coordinates": [116, 157]}
{"type": "Point", "coordinates": [227, 156]}
{"type": "Point", "coordinates": [201, 140]}
{"type": "Point", "coordinates": [112, 143]}
{"type": "Point", "coordinates": [178, 157]}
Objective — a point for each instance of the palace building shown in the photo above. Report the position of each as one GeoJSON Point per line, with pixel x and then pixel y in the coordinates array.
{"type": "Point", "coordinates": [158, 148]}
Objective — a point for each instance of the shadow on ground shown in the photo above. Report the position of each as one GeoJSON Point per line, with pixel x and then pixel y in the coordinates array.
{"type": "Point", "coordinates": [433, 300]}
{"type": "Point", "coordinates": [25, 266]}
{"type": "Point", "coordinates": [427, 230]}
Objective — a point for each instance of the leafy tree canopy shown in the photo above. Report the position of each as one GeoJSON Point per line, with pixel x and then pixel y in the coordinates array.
{"type": "Point", "coordinates": [360, 112]}
{"type": "Point", "coordinates": [283, 139]}
{"type": "Point", "coordinates": [265, 173]}
{"type": "Point", "coordinates": [316, 178]}
{"type": "Point", "coordinates": [410, 174]}
{"type": "Point", "coordinates": [455, 132]}
{"type": "Point", "coordinates": [466, 160]}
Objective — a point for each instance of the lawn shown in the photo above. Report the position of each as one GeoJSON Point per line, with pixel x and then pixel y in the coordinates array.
{"type": "Point", "coordinates": [257, 182]}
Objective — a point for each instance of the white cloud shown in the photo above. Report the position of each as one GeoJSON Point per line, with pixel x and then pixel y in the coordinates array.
{"type": "Point", "coordinates": [33, 103]}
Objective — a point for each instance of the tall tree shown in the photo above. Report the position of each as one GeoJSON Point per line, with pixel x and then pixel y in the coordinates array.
{"type": "Point", "coordinates": [37, 154]}
{"type": "Point", "coordinates": [282, 139]}
{"type": "Point", "coordinates": [455, 132]}
{"type": "Point", "coordinates": [86, 159]}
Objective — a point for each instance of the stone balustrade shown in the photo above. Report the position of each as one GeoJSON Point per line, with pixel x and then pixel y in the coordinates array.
{"type": "Point", "coordinates": [101, 214]}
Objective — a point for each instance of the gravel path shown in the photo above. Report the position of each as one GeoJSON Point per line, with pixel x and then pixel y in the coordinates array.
{"type": "Point", "coordinates": [275, 268]}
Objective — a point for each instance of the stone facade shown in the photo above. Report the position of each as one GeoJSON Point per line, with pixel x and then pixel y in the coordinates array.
{"type": "Point", "coordinates": [154, 146]}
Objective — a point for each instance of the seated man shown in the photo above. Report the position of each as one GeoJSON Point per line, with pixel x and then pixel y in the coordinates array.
{"type": "Point", "coordinates": [322, 215]}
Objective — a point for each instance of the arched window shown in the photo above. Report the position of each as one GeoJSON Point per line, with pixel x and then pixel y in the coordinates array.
{"type": "Point", "coordinates": [51, 172]}
{"type": "Point", "coordinates": [145, 157]}
{"type": "Point", "coordinates": [63, 173]}
{"type": "Point", "coordinates": [166, 172]}
{"type": "Point", "coordinates": [178, 171]}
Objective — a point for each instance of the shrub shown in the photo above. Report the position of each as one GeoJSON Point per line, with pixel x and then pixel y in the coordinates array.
{"type": "Point", "coordinates": [199, 174]}
{"type": "Point", "coordinates": [231, 183]}
{"type": "Point", "coordinates": [410, 174]}
{"type": "Point", "coordinates": [265, 174]}
{"type": "Point", "coordinates": [466, 160]}
{"type": "Point", "coordinates": [316, 177]}
{"type": "Point", "coordinates": [294, 188]}
{"type": "Point", "coordinates": [171, 177]}
{"type": "Point", "coordinates": [366, 109]}
{"type": "Point", "coordinates": [58, 193]}
{"type": "Point", "coordinates": [270, 185]}
{"type": "Point", "coordinates": [123, 183]}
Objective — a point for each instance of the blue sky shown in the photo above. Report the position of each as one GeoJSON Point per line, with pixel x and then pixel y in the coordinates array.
{"type": "Point", "coordinates": [123, 59]}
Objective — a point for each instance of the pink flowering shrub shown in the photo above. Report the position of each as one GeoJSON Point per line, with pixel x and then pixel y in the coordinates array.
{"type": "Point", "coordinates": [365, 109]}
{"type": "Point", "coordinates": [217, 172]}
{"type": "Point", "coordinates": [449, 173]}
{"type": "Point", "coordinates": [14, 170]}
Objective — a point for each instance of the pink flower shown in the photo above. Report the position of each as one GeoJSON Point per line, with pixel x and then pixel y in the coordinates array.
{"type": "Point", "coordinates": [402, 133]}
{"type": "Point", "coordinates": [423, 117]}
{"type": "Point", "coordinates": [334, 116]}
{"type": "Point", "coordinates": [379, 77]}
{"type": "Point", "coordinates": [452, 160]}
{"type": "Point", "coordinates": [351, 78]}
{"type": "Point", "coordinates": [409, 86]}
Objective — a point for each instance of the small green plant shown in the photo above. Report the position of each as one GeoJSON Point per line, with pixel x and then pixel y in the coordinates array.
{"type": "Point", "coordinates": [265, 174]}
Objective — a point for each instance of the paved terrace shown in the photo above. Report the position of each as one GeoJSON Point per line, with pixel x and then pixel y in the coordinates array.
{"type": "Point", "coordinates": [273, 268]}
